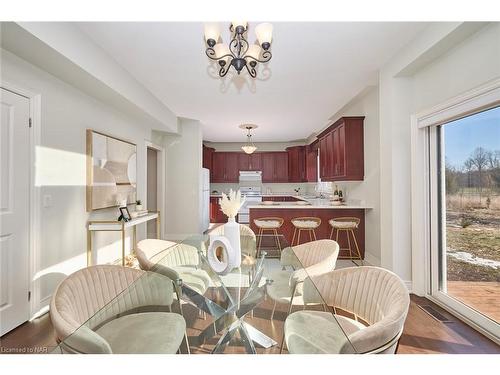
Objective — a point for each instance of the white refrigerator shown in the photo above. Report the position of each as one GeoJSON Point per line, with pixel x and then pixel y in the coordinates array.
{"type": "Point", "coordinates": [205, 199]}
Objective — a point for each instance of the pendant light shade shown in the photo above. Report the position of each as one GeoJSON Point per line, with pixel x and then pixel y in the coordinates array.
{"type": "Point", "coordinates": [249, 147]}
{"type": "Point", "coordinates": [264, 33]}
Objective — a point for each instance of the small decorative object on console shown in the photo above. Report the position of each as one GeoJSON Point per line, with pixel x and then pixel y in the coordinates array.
{"type": "Point", "coordinates": [124, 214]}
{"type": "Point", "coordinates": [230, 207]}
{"type": "Point", "coordinates": [138, 205]}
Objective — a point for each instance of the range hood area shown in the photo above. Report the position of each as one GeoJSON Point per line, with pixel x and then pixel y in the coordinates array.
{"type": "Point", "coordinates": [250, 176]}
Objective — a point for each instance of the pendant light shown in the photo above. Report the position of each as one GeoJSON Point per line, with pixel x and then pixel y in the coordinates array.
{"type": "Point", "coordinates": [248, 147]}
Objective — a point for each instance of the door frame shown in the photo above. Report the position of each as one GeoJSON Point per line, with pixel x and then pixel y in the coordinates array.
{"type": "Point", "coordinates": [425, 198]}
{"type": "Point", "coordinates": [160, 173]}
{"type": "Point", "coordinates": [35, 135]}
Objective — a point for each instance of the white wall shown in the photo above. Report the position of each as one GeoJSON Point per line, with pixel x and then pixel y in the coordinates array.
{"type": "Point", "coordinates": [367, 104]}
{"type": "Point", "coordinates": [462, 64]}
{"type": "Point", "coordinates": [66, 113]}
{"type": "Point", "coordinates": [183, 180]}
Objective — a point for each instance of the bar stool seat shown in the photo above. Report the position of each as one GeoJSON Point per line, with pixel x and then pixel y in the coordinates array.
{"type": "Point", "coordinates": [269, 224]}
{"type": "Point", "coordinates": [347, 225]}
{"type": "Point", "coordinates": [342, 224]}
{"type": "Point", "coordinates": [307, 224]}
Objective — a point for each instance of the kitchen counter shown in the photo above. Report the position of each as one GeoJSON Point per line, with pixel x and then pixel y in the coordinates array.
{"type": "Point", "coordinates": [319, 208]}
{"type": "Point", "coordinates": [312, 204]}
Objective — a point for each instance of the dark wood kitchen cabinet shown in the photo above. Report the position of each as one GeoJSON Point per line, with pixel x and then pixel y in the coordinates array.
{"type": "Point", "coordinates": [252, 162]}
{"type": "Point", "coordinates": [225, 167]}
{"type": "Point", "coordinates": [296, 163]}
{"type": "Point", "coordinates": [341, 150]}
{"type": "Point", "coordinates": [312, 162]}
{"type": "Point", "coordinates": [207, 157]}
{"type": "Point", "coordinates": [275, 166]}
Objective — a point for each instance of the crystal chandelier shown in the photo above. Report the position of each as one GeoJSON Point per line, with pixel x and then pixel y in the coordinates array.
{"type": "Point", "coordinates": [249, 147]}
{"type": "Point", "coordinates": [240, 53]}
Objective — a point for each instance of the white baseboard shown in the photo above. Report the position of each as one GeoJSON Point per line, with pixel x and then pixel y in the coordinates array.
{"type": "Point", "coordinates": [408, 285]}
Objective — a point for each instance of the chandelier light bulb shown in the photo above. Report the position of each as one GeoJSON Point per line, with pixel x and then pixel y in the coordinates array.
{"type": "Point", "coordinates": [212, 33]}
{"type": "Point", "coordinates": [264, 33]}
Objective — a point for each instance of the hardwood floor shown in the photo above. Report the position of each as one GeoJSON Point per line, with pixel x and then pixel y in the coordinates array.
{"type": "Point", "coordinates": [422, 333]}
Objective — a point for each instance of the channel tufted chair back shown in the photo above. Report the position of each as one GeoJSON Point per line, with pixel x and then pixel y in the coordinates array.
{"type": "Point", "coordinates": [82, 294]}
{"type": "Point", "coordinates": [373, 294]}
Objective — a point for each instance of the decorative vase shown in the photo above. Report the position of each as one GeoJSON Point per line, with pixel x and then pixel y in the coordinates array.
{"type": "Point", "coordinates": [138, 207]}
{"type": "Point", "coordinates": [232, 233]}
{"type": "Point", "coordinates": [220, 255]}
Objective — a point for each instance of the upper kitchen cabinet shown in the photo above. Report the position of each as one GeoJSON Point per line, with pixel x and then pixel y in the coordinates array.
{"type": "Point", "coordinates": [341, 150]}
{"type": "Point", "coordinates": [207, 157]}
{"type": "Point", "coordinates": [297, 164]}
{"type": "Point", "coordinates": [225, 167]}
{"type": "Point", "coordinates": [252, 162]}
{"type": "Point", "coordinates": [312, 162]}
{"type": "Point", "coordinates": [274, 166]}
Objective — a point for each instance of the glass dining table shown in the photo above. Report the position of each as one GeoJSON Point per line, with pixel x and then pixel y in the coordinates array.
{"type": "Point", "coordinates": [224, 313]}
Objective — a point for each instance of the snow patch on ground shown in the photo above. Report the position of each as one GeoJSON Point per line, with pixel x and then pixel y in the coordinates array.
{"type": "Point", "coordinates": [469, 258]}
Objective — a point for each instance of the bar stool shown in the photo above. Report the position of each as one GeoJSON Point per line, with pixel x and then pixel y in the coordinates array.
{"type": "Point", "coordinates": [307, 224]}
{"type": "Point", "coordinates": [347, 225]}
{"type": "Point", "coordinates": [270, 224]}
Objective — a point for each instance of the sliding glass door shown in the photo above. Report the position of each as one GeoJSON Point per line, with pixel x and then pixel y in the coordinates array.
{"type": "Point", "coordinates": [465, 189]}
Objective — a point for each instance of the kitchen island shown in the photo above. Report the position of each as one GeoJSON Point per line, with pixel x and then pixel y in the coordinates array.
{"type": "Point", "coordinates": [321, 208]}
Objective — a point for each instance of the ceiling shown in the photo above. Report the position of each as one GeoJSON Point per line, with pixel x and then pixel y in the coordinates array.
{"type": "Point", "coordinates": [315, 70]}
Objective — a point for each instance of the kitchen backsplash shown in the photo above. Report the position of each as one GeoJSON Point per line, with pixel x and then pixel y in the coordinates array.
{"type": "Point", "coordinates": [352, 190]}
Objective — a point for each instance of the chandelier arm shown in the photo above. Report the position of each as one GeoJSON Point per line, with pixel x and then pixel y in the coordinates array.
{"type": "Point", "coordinates": [224, 69]}
{"type": "Point", "coordinates": [266, 56]}
{"type": "Point", "coordinates": [251, 70]}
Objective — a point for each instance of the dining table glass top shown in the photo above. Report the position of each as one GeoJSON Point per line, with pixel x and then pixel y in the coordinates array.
{"type": "Point", "coordinates": [224, 313]}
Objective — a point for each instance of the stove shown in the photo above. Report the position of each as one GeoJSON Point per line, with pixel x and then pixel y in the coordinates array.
{"type": "Point", "coordinates": [253, 195]}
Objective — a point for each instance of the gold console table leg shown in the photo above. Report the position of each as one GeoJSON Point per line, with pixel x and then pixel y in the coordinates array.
{"type": "Point", "coordinates": [89, 248]}
{"type": "Point", "coordinates": [123, 243]}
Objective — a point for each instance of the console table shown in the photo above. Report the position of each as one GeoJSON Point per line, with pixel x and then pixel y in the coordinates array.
{"type": "Point", "coordinates": [119, 226]}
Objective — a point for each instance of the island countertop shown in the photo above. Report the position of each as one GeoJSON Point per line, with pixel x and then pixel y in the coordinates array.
{"type": "Point", "coordinates": [311, 204]}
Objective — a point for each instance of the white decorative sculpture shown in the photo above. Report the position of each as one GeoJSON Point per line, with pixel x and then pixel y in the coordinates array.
{"type": "Point", "coordinates": [221, 256]}
{"type": "Point", "coordinates": [230, 207]}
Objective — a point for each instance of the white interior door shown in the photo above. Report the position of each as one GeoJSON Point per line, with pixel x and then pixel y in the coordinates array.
{"type": "Point", "coordinates": [14, 210]}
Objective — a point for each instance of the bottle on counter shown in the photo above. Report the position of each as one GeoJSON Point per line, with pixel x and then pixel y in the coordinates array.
{"type": "Point", "coordinates": [336, 194]}
{"type": "Point", "coordinates": [341, 195]}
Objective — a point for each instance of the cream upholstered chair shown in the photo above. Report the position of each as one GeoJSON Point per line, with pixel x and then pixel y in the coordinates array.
{"type": "Point", "coordinates": [377, 296]}
{"type": "Point", "coordinates": [91, 315]}
{"type": "Point", "coordinates": [312, 258]}
{"type": "Point", "coordinates": [176, 261]}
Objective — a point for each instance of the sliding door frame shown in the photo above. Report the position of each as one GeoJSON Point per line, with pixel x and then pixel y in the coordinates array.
{"type": "Point", "coordinates": [426, 197]}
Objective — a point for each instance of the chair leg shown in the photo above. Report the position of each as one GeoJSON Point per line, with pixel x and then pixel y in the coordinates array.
{"type": "Point", "coordinates": [277, 240]}
{"type": "Point", "coordinates": [293, 237]}
{"type": "Point", "coordinates": [331, 234]}
{"type": "Point", "coordinates": [282, 341]}
{"type": "Point", "coordinates": [274, 308]}
{"type": "Point", "coordinates": [187, 342]}
{"type": "Point", "coordinates": [260, 242]}
{"type": "Point", "coordinates": [310, 235]}
{"type": "Point", "coordinates": [314, 234]}
{"type": "Point", "coordinates": [357, 247]}
{"type": "Point", "coordinates": [298, 236]}
{"type": "Point", "coordinates": [349, 244]}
